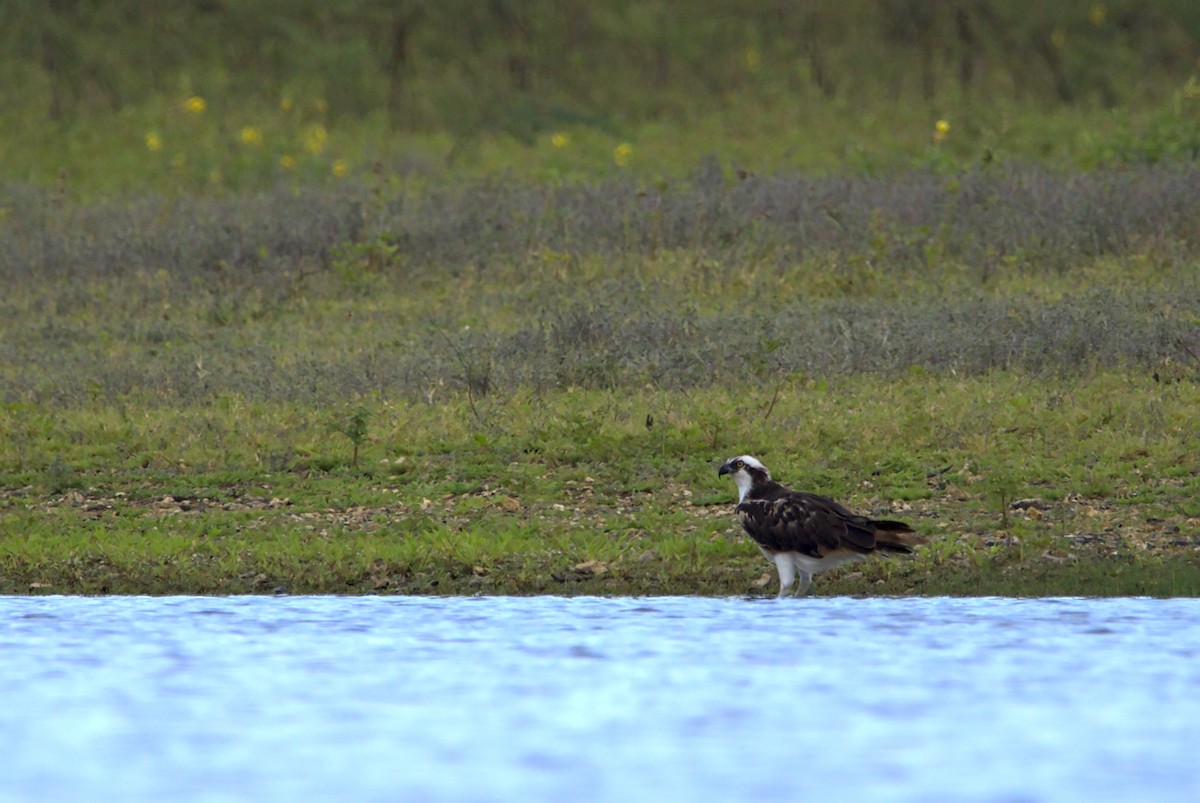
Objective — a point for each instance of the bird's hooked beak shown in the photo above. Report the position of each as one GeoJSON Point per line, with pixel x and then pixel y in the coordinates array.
{"type": "Point", "coordinates": [725, 469]}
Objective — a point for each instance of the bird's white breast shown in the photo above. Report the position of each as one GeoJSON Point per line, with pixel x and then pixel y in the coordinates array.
{"type": "Point", "coordinates": [742, 479]}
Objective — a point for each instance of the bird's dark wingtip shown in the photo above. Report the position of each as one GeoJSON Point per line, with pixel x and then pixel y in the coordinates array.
{"type": "Point", "coordinates": [889, 526]}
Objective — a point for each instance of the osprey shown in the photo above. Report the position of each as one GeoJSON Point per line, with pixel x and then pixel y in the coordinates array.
{"type": "Point", "coordinates": [803, 533]}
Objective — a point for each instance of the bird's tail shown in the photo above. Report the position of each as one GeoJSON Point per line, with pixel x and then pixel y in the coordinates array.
{"type": "Point", "coordinates": [895, 536]}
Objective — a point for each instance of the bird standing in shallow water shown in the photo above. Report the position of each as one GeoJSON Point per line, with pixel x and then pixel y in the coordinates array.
{"type": "Point", "coordinates": [802, 533]}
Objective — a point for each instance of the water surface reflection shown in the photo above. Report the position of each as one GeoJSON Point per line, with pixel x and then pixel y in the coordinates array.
{"type": "Point", "coordinates": [596, 699]}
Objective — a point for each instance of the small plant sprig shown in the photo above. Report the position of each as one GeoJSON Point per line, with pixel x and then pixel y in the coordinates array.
{"type": "Point", "coordinates": [353, 427]}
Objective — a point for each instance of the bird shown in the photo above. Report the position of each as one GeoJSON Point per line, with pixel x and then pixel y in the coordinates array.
{"type": "Point", "coordinates": [805, 533]}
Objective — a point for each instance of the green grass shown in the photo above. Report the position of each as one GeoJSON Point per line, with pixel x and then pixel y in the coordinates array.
{"type": "Point", "coordinates": [528, 498]}
{"type": "Point", "coordinates": [232, 99]}
{"type": "Point", "coordinates": [206, 155]}
{"type": "Point", "coordinates": [539, 415]}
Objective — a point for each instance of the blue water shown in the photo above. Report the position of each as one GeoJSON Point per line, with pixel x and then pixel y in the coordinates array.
{"type": "Point", "coordinates": [532, 699]}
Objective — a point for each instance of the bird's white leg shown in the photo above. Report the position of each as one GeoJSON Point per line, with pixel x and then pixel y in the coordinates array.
{"type": "Point", "coordinates": [787, 572]}
{"type": "Point", "coordinates": [805, 582]}
{"type": "Point", "coordinates": [805, 575]}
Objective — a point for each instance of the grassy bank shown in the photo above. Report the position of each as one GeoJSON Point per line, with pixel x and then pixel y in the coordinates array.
{"type": "Point", "coordinates": [505, 387]}
{"type": "Point", "coordinates": [1025, 486]}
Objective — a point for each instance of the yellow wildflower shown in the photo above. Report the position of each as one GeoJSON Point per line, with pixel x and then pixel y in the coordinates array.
{"type": "Point", "coordinates": [338, 168]}
{"type": "Point", "coordinates": [287, 103]}
{"type": "Point", "coordinates": [940, 129]}
{"type": "Point", "coordinates": [559, 140]}
{"type": "Point", "coordinates": [314, 138]}
{"type": "Point", "coordinates": [622, 153]}
{"type": "Point", "coordinates": [287, 161]}
{"type": "Point", "coordinates": [195, 105]}
{"type": "Point", "coordinates": [154, 141]}
{"type": "Point", "coordinates": [251, 136]}
{"type": "Point", "coordinates": [1098, 14]}
{"type": "Point", "coordinates": [753, 59]}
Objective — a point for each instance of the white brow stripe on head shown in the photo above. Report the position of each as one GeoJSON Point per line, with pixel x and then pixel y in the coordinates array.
{"type": "Point", "coordinates": [752, 461]}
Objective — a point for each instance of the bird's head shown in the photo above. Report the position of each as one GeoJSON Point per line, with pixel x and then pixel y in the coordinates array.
{"type": "Point", "coordinates": [747, 472]}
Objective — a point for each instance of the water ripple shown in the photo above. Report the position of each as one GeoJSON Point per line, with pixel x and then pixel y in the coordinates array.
{"type": "Point", "coordinates": [598, 699]}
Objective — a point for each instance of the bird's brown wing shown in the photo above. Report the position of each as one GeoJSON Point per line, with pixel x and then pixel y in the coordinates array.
{"type": "Point", "coordinates": [806, 523]}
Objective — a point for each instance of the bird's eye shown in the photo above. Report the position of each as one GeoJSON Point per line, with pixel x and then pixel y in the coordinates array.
{"type": "Point", "coordinates": [739, 464]}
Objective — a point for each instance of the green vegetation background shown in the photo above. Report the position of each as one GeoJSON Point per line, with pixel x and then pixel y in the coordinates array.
{"type": "Point", "coordinates": [286, 89]}
{"type": "Point", "coordinates": [459, 297]}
